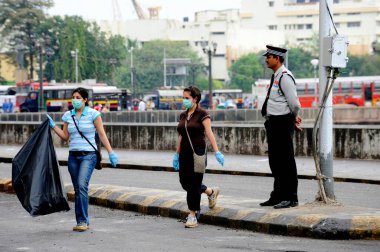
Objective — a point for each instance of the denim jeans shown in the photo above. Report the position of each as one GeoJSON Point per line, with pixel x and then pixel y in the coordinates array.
{"type": "Point", "coordinates": [80, 169]}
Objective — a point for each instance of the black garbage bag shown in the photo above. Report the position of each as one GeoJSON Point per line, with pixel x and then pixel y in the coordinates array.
{"type": "Point", "coordinates": [35, 175]}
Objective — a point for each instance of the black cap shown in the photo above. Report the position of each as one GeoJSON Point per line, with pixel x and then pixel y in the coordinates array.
{"type": "Point", "coordinates": [272, 50]}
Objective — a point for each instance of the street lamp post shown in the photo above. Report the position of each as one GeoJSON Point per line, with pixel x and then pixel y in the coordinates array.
{"type": "Point", "coordinates": [210, 50]}
{"type": "Point", "coordinates": [41, 93]}
{"type": "Point", "coordinates": [75, 54]}
{"type": "Point", "coordinates": [132, 73]}
{"type": "Point", "coordinates": [315, 63]}
{"type": "Point", "coordinates": [113, 62]}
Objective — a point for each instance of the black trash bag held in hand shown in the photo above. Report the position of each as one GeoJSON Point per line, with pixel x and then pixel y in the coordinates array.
{"type": "Point", "coordinates": [35, 175]}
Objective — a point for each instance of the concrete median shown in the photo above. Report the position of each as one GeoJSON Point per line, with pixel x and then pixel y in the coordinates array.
{"type": "Point", "coordinates": [309, 220]}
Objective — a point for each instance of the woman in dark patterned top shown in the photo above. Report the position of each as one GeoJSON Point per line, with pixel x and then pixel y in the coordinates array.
{"type": "Point", "coordinates": [198, 127]}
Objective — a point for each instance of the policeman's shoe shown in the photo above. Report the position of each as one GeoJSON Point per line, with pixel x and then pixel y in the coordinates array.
{"type": "Point", "coordinates": [213, 197]}
{"type": "Point", "coordinates": [270, 202]}
{"type": "Point", "coordinates": [81, 227]}
{"type": "Point", "coordinates": [286, 204]}
{"type": "Point", "coordinates": [191, 221]}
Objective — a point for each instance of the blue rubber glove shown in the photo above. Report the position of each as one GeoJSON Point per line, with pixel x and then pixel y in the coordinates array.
{"type": "Point", "coordinates": [176, 162]}
{"type": "Point", "coordinates": [219, 157]}
{"type": "Point", "coordinates": [114, 159]}
{"type": "Point", "coordinates": [51, 122]}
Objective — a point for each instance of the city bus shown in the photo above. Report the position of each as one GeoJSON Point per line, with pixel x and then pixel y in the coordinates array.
{"type": "Point", "coordinates": [356, 91]}
{"type": "Point", "coordinates": [224, 97]}
{"type": "Point", "coordinates": [58, 98]}
{"type": "Point", "coordinates": [169, 99]}
{"type": "Point", "coordinates": [7, 90]}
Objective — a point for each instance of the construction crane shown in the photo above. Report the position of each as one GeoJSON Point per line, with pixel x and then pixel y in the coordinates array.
{"type": "Point", "coordinates": [139, 10]}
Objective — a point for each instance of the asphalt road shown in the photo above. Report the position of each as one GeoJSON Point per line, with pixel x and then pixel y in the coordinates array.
{"type": "Point", "coordinates": [114, 230]}
{"type": "Point", "coordinates": [255, 188]}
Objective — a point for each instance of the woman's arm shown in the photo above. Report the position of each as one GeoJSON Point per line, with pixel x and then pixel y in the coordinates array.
{"type": "Point", "coordinates": [207, 124]}
{"type": "Point", "coordinates": [102, 134]}
{"type": "Point", "coordinates": [63, 134]}
{"type": "Point", "coordinates": [178, 149]}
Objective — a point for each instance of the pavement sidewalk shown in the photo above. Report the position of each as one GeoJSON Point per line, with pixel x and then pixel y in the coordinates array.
{"type": "Point", "coordinates": [308, 220]}
{"type": "Point", "coordinates": [345, 170]}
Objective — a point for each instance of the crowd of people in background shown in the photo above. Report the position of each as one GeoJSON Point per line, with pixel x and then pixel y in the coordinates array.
{"type": "Point", "coordinates": [7, 106]}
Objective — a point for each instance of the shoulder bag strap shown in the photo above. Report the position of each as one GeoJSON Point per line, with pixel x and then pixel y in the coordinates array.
{"type": "Point", "coordinates": [190, 138]}
{"type": "Point", "coordinates": [81, 134]}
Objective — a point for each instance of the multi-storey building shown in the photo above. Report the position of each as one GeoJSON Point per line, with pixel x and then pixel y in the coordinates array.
{"type": "Point", "coordinates": [299, 20]}
{"type": "Point", "coordinates": [222, 28]}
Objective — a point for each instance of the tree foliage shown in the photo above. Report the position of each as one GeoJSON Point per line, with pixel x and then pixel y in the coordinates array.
{"type": "Point", "coordinates": [245, 71]}
{"type": "Point", "coordinates": [148, 63]}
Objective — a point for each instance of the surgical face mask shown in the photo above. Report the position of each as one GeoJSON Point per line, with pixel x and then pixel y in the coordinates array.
{"type": "Point", "coordinates": [77, 103]}
{"type": "Point", "coordinates": [187, 103]}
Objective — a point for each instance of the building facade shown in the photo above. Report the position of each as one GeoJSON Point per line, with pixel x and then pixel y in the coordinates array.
{"type": "Point", "coordinates": [359, 20]}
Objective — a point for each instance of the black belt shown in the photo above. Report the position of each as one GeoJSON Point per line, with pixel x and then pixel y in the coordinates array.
{"type": "Point", "coordinates": [81, 153]}
{"type": "Point", "coordinates": [268, 117]}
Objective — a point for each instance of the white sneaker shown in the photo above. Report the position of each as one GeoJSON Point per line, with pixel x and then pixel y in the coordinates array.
{"type": "Point", "coordinates": [213, 197]}
{"type": "Point", "coordinates": [191, 221]}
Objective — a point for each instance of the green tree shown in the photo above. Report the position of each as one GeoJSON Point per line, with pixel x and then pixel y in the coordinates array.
{"type": "Point", "coordinates": [18, 19]}
{"type": "Point", "coordinates": [148, 62]}
{"type": "Point", "coordinates": [245, 71]}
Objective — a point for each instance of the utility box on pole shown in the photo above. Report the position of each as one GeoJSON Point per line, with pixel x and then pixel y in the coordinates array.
{"type": "Point", "coordinates": [335, 51]}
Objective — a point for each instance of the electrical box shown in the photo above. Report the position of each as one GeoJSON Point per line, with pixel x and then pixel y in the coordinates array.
{"type": "Point", "coordinates": [335, 51]}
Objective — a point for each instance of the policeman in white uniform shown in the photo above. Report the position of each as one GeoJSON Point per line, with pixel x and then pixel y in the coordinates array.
{"type": "Point", "coordinates": [281, 108]}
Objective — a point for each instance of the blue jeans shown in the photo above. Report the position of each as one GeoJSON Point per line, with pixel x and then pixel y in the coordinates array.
{"type": "Point", "coordinates": [80, 169]}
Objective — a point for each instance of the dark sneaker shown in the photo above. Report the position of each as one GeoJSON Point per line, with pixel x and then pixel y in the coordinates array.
{"type": "Point", "coordinates": [286, 204]}
{"type": "Point", "coordinates": [81, 227]}
{"type": "Point", "coordinates": [191, 222]}
{"type": "Point", "coordinates": [213, 197]}
{"type": "Point", "coordinates": [270, 202]}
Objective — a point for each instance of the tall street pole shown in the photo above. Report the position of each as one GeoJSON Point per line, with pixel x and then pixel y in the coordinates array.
{"type": "Point", "coordinates": [132, 74]}
{"type": "Point", "coordinates": [41, 93]}
{"type": "Point", "coordinates": [326, 124]}
{"type": "Point", "coordinates": [76, 65]}
{"type": "Point", "coordinates": [209, 52]}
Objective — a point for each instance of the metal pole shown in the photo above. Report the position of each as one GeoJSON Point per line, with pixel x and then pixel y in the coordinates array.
{"type": "Point", "coordinates": [210, 78]}
{"type": "Point", "coordinates": [132, 77]}
{"type": "Point", "coordinates": [76, 66]}
{"type": "Point", "coordinates": [164, 67]}
{"type": "Point", "coordinates": [41, 103]}
{"type": "Point", "coordinates": [315, 87]}
{"type": "Point", "coordinates": [326, 124]}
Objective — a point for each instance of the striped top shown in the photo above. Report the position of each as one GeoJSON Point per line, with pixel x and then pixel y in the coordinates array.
{"type": "Point", "coordinates": [85, 124]}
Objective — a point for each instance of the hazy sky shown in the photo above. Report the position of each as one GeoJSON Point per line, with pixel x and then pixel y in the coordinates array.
{"type": "Point", "coordinates": [173, 9]}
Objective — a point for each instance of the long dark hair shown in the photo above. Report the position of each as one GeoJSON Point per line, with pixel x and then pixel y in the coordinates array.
{"type": "Point", "coordinates": [194, 92]}
{"type": "Point", "coordinates": [83, 92]}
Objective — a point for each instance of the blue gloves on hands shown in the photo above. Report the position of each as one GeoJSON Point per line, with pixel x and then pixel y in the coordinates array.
{"type": "Point", "coordinates": [219, 157]}
{"type": "Point", "coordinates": [176, 162]}
{"type": "Point", "coordinates": [51, 122]}
{"type": "Point", "coordinates": [113, 158]}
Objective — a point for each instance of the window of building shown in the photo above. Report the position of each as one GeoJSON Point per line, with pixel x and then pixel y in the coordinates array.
{"type": "Point", "coordinates": [378, 23]}
{"type": "Point", "coordinates": [271, 3]}
{"type": "Point", "coordinates": [309, 26]}
{"type": "Point", "coordinates": [300, 26]}
{"type": "Point", "coordinates": [337, 25]}
{"type": "Point", "coordinates": [272, 27]}
{"type": "Point", "coordinates": [353, 13]}
{"type": "Point", "coordinates": [353, 24]}
{"type": "Point", "coordinates": [218, 33]}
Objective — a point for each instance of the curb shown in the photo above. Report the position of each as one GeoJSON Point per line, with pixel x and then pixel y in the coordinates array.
{"type": "Point", "coordinates": [303, 221]}
{"type": "Point", "coordinates": [212, 171]}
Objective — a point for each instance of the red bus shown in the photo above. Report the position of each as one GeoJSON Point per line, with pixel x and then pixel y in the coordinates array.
{"type": "Point", "coordinates": [22, 90]}
{"type": "Point", "coordinates": [359, 91]}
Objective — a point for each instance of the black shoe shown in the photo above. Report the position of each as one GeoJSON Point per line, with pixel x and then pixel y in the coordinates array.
{"type": "Point", "coordinates": [286, 204]}
{"type": "Point", "coordinates": [270, 202]}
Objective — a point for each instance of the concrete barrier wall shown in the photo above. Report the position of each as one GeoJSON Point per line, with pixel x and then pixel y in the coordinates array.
{"type": "Point", "coordinates": [356, 142]}
{"type": "Point", "coordinates": [340, 115]}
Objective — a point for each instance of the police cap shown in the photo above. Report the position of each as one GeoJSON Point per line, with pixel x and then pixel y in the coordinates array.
{"type": "Point", "coordinates": [272, 50]}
